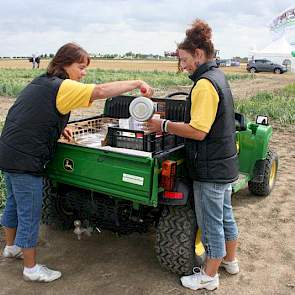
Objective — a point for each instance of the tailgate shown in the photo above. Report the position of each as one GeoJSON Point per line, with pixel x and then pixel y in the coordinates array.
{"type": "Point", "coordinates": [119, 175]}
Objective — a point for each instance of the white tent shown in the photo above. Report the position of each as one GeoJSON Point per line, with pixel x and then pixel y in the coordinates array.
{"type": "Point", "coordinates": [279, 51]}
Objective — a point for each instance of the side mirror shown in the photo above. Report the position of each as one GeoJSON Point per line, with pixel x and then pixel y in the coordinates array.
{"type": "Point", "coordinates": [262, 120]}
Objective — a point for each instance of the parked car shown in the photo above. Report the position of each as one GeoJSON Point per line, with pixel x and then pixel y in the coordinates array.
{"type": "Point", "coordinates": [223, 63]}
{"type": "Point", "coordinates": [234, 63]}
{"type": "Point", "coordinates": [265, 65]}
{"type": "Point", "coordinates": [227, 63]}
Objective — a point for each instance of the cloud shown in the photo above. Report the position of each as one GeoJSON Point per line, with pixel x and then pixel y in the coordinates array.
{"type": "Point", "coordinates": [118, 26]}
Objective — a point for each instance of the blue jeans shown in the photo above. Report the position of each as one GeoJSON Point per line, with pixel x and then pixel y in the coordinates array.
{"type": "Point", "coordinates": [215, 216]}
{"type": "Point", "coordinates": [23, 207]}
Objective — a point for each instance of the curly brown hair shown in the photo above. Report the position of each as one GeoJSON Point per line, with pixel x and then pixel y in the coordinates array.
{"type": "Point", "coordinates": [198, 36]}
{"type": "Point", "coordinates": [65, 56]}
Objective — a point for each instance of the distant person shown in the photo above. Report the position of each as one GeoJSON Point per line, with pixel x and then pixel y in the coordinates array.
{"type": "Point", "coordinates": [211, 154]}
{"type": "Point", "coordinates": [33, 61]}
{"type": "Point", "coordinates": [38, 59]}
{"type": "Point", "coordinates": [33, 125]}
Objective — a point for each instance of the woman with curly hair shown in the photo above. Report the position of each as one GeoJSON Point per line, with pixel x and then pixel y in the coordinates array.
{"type": "Point", "coordinates": [211, 155]}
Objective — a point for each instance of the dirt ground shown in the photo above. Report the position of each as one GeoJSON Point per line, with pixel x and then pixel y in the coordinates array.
{"type": "Point", "coordinates": [109, 264]}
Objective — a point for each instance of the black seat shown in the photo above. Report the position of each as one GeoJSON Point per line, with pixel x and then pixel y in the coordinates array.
{"type": "Point", "coordinates": [240, 122]}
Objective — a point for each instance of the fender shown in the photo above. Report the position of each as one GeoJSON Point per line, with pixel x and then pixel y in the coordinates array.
{"type": "Point", "coordinates": [182, 185]}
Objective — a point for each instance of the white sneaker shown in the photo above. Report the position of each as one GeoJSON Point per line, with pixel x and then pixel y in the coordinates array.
{"type": "Point", "coordinates": [232, 267]}
{"type": "Point", "coordinates": [200, 280]}
{"type": "Point", "coordinates": [42, 274]}
{"type": "Point", "coordinates": [13, 252]}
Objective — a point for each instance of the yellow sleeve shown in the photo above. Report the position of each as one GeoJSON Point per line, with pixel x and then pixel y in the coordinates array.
{"type": "Point", "coordinates": [204, 104]}
{"type": "Point", "coordinates": [72, 95]}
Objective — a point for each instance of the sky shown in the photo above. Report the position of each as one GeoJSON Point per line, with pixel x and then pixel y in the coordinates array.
{"type": "Point", "coordinates": [145, 26]}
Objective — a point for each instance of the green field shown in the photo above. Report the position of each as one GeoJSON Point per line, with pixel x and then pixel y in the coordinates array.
{"type": "Point", "coordinates": [279, 106]}
{"type": "Point", "coordinates": [12, 81]}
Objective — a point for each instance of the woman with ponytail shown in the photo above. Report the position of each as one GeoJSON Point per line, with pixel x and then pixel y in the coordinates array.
{"type": "Point", "coordinates": [211, 155]}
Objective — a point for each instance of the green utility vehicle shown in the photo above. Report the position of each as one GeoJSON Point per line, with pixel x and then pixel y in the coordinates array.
{"type": "Point", "coordinates": [133, 180]}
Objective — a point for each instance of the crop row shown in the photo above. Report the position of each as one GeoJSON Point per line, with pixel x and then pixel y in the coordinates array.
{"type": "Point", "coordinates": [12, 81]}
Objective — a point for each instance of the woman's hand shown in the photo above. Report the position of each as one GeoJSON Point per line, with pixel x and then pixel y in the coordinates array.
{"type": "Point", "coordinates": [154, 125]}
{"type": "Point", "coordinates": [146, 90]}
{"type": "Point", "coordinates": [67, 134]}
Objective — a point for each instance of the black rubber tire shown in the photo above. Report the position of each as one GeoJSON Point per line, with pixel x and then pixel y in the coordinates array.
{"type": "Point", "coordinates": [53, 210]}
{"type": "Point", "coordinates": [265, 187]}
{"type": "Point", "coordinates": [252, 70]}
{"type": "Point", "coordinates": [175, 239]}
{"type": "Point", "coordinates": [277, 71]}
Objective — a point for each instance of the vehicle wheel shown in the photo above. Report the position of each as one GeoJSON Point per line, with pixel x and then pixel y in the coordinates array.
{"type": "Point", "coordinates": [277, 71]}
{"type": "Point", "coordinates": [252, 70]}
{"type": "Point", "coordinates": [54, 210]}
{"type": "Point", "coordinates": [175, 240]}
{"type": "Point", "coordinates": [270, 173]}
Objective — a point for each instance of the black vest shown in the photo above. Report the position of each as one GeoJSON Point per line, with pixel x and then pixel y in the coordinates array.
{"type": "Point", "coordinates": [214, 159]}
{"type": "Point", "coordinates": [32, 128]}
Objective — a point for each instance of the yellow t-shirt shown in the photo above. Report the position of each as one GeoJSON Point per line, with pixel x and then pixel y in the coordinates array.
{"type": "Point", "coordinates": [72, 95]}
{"type": "Point", "coordinates": [204, 103]}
